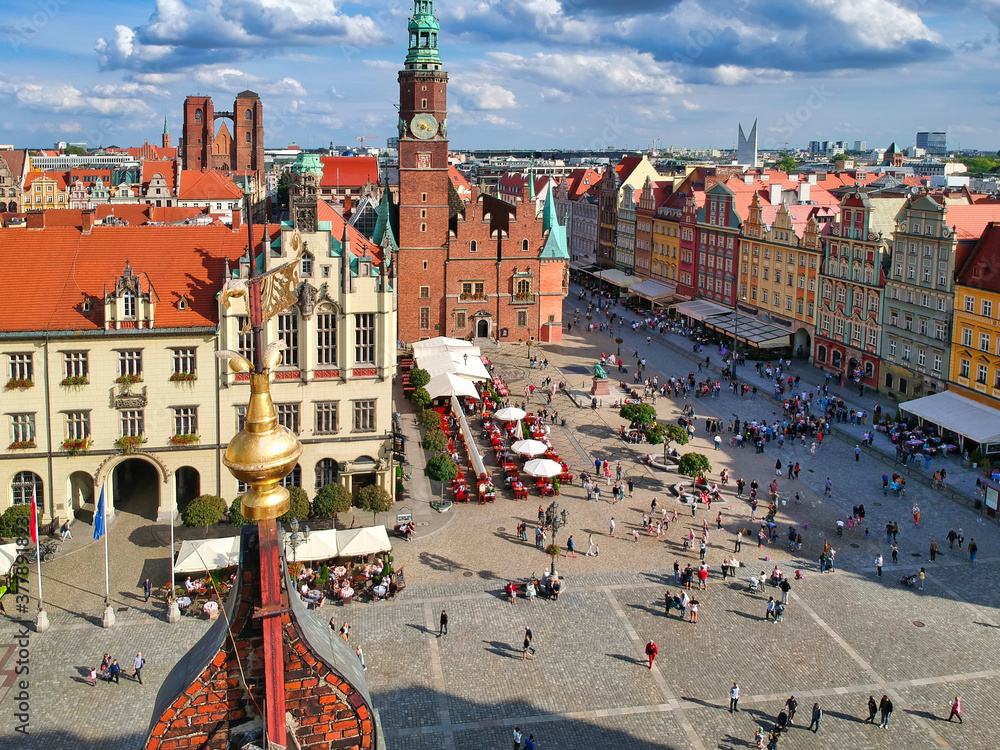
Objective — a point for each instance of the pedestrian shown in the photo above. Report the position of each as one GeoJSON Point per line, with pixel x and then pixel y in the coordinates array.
{"type": "Point", "coordinates": [114, 673]}
{"type": "Point", "coordinates": [785, 587]}
{"type": "Point", "coordinates": [693, 609]}
{"type": "Point", "coordinates": [734, 698]}
{"type": "Point", "coordinates": [956, 709]}
{"type": "Point", "coordinates": [527, 645]}
{"type": "Point", "coordinates": [817, 714]}
{"type": "Point", "coordinates": [635, 534]}
{"type": "Point", "coordinates": [961, 538]}
{"type": "Point", "coordinates": [147, 589]}
{"type": "Point", "coordinates": [916, 514]}
{"type": "Point", "coordinates": [872, 710]}
{"type": "Point", "coordinates": [517, 738]}
{"type": "Point", "coordinates": [739, 539]}
{"type": "Point", "coordinates": [677, 572]}
{"type": "Point", "coordinates": [895, 552]}
{"type": "Point", "coordinates": [921, 576]}
{"type": "Point", "coordinates": [361, 658]}
{"type": "Point", "coordinates": [777, 468]}
{"type": "Point", "coordinates": [611, 526]}
{"type": "Point", "coordinates": [92, 677]}
{"type": "Point", "coordinates": [345, 631]}
{"type": "Point", "coordinates": [885, 708]}
{"type": "Point", "coordinates": [769, 611]}
{"type": "Point", "coordinates": [569, 547]}
{"type": "Point", "coordinates": [443, 630]}
{"type": "Point", "coordinates": [857, 452]}
{"type": "Point", "coordinates": [878, 564]}
{"type": "Point", "coordinates": [590, 545]}
{"type": "Point", "coordinates": [651, 652]}
{"type": "Point", "coordinates": [952, 536]}
{"type": "Point", "coordinates": [934, 549]}
{"type": "Point", "coordinates": [973, 549]}
{"type": "Point", "coordinates": [137, 666]}
{"type": "Point", "coordinates": [791, 705]}
{"type": "Point", "coordinates": [631, 486]}
{"type": "Point", "coordinates": [718, 442]}
{"type": "Point", "coordinates": [529, 744]}
{"type": "Point", "coordinates": [828, 487]}
{"type": "Point", "coordinates": [718, 520]}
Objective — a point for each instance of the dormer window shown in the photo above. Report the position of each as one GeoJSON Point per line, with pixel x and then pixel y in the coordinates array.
{"type": "Point", "coordinates": [182, 303]}
{"type": "Point", "coordinates": [128, 304]}
{"type": "Point", "coordinates": [88, 304]}
{"type": "Point", "coordinates": [307, 265]}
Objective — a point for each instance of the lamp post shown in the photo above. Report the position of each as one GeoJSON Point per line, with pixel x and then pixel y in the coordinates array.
{"type": "Point", "coordinates": [555, 520]}
{"type": "Point", "coordinates": [295, 540]}
{"type": "Point", "coordinates": [530, 343]}
{"type": "Point", "coordinates": [619, 341]}
{"type": "Point", "coordinates": [736, 332]}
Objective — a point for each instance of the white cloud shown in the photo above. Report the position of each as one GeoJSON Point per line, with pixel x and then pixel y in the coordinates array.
{"type": "Point", "coordinates": [500, 121]}
{"type": "Point", "coordinates": [61, 97]}
{"type": "Point", "coordinates": [732, 75]}
{"type": "Point", "coordinates": [688, 105]}
{"type": "Point", "coordinates": [881, 24]}
{"type": "Point", "coordinates": [486, 96]}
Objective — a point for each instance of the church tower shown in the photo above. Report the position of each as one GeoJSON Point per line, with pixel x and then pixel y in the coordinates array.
{"type": "Point", "coordinates": [423, 181]}
{"type": "Point", "coordinates": [165, 140]}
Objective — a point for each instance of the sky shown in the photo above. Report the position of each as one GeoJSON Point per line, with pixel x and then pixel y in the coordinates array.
{"type": "Point", "coordinates": [523, 73]}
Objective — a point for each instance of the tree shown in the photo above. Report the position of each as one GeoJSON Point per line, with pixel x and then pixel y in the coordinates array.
{"type": "Point", "coordinates": [839, 157]}
{"type": "Point", "coordinates": [331, 500]}
{"type": "Point", "coordinates": [694, 465]}
{"type": "Point", "coordinates": [442, 468]}
{"type": "Point", "coordinates": [786, 163]}
{"type": "Point", "coordinates": [421, 398]}
{"type": "Point", "coordinates": [75, 151]}
{"type": "Point", "coordinates": [419, 378]}
{"type": "Point", "coordinates": [430, 419]}
{"type": "Point", "coordinates": [236, 517]}
{"type": "Point", "coordinates": [654, 434]}
{"type": "Point", "coordinates": [204, 511]}
{"type": "Point", "coordinates": [435, 441]}
{"type": "Point", "coordinates": [674, 433]}
{"type": "Point", "coordinates": [638, 414]}
{"type": "Point", "coordinates": [299, 507]}
{"type": "Point", "coordinates": [283, 184]}
{"type": "Point", "coordinates": [375, 499]}
{"type": "Point", "coordinates": [15, 521]}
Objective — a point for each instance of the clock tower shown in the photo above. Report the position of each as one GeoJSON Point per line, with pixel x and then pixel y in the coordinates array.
{"type": "Point", "coordinates": [423, 181]}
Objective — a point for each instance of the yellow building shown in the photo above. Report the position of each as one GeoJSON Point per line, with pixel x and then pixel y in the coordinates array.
{"type": "Point", "coordinates": [45, 190]}
{"type": "Point", "coordinates": [666, 244]}
{"type": "Point", "coordinates": [975, 331]}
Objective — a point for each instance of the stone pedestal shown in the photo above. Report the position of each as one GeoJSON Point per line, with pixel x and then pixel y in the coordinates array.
{"type": "Point", "coordinates": [600, 387]}
{"type": "Point", "coordinates": [109, 617]}
{"type": "Point", "coordinates": [173, 611]}
{"type": "Point", "coordinates": [42, 621]}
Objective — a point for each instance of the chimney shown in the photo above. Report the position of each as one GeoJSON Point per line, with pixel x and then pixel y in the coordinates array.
{"type": "Point", "coordinates": [803, 192]}
{"type": "Point", "coordinates": [348, 206]}
{"type": "Point", "coordinates": [775, 194]}
{"type": "Point", "coordinates": [237, 219]}
{"type": "Point", "coordinates": [35, 219]}
{"type": "Point", "coordinates": [87, 220]}
{"type": "Point", "coordinates": [812, 179]}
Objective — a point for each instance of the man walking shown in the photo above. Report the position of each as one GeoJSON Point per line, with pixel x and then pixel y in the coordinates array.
{"type": "Point", "coordinates": [885, 707]}
{"type": "Point", "coordinates": [872, 710]}
{"type": "Point", "coordinates": [739, 539]}
{"type": "Point", "coordinates": [878, 564]}
{"type": "Point", "coordinates": [115, 671]}
{"type": "Point", "coordinates": [828, 487]}
{"type": "Point", "coordinates": [857, 452]}
{"type": "Point", "coordinates": [611, 526]}
{"type": "Point", "coordinates": [734, 698]}
{"type": "Point", "coordinates": [934, 549]}
{"type": "Point", "coordinates": [137, 666]}
{"type": "Point", "coordinates": [791, 705]}
{"type": "Point", "coordinates": [973, 549]}
{"type": "Point", "coordinates": [147, 589]}
{"type": "Point", "coordinates": [651, 652]}
{"type": "Point", "coordinates": [785, 587]}
{"type": "Point", "coordinates": [527, 645]}
{"type": "Point", "coordinates": [517, 738]}
{"type": "Point", "coordinates": [443, 630]}
{"type": "Point", "coordinates": [816, 716]}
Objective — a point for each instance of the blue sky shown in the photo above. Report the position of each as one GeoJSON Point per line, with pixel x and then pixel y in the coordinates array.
{"type": "Point", "coordinates": [524, 73]}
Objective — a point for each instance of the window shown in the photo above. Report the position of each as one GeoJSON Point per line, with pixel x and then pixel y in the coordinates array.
{"type": "Point", "coordinates": [763, 296]}
{"type": "Point", "coordinates": [288, 335]}
{"type": "Point", "coordinates": [937, 363]}
{"type": "Point", "coordinates": [75, 364]}
{"type": "Point", "coordinates": [821, 353]}
{"type": "Point", "coordinates": [892, 347]}
{"type": "Point", "coordinates": [364, 336]}
{"type": "Point", "coordinates": [23, 428]}
{"type": "Point", "coordinates": [987, 308]}
{"type": "Point", "coordinates": [184, 362]}
{"type": "Point", "coordinates": [293, 478]}
{"type": "Point", "coordinates": [841, 295]}
{"type": "Point", "coordinates": [963, 368]}
{"type": "Point", "coordinates": [25, 485]}
{"type": "Point", "coordinates": [186, 420]}
{"type": "Point", "coordinates": [872, 337]}
{"type": "Point", "coordinates": [966, 337]}
{"type": "Point", "coordinates": [839, 327]}
{"type": "Point", "coordinates": [326, 472]}
{"type": "Point", "coordinates": [132, 423]}
{"type": "Point", "coordinates": [326, 338]}
{"type": "Point", "coordinates": [921, 357]}
{"type": "Point", "coordinates": [984, 342]}
{"type": "Point", "coordinates": [128, 304]}
{"type": "Point", "coordinates": [364, 415]}
{"type": "Point", "coordinates": [524, 246]}
{"type": "Point", "coordinates": [906, 352]}
{"type": "Point", "coordinates": [777, 300]}
{"type": "Point", "coordinates": [77, 425]}
{"type": "Point", "coordinates": [197, 115]}
{"type": "Point", "coordinates": [981, 374]}
{"type": "Point", "coordinates": [326, 418]}
{"type": "Point", "coordinates": [130, 362]}
{"type": "Point", "coordinates": [244, 341]}
{"type": "Point", "coordinates": [460, 321]}
{"type": "Point", "coordinates": [522, 318]}
{"type": "Point", "coordinates": [856, 332]}
{"type": "Point", "coordinates": [307, 265]}
{"type": "Point", "coordinates": [21, 366]}
{"type": "Point", "coordinates": [241, 418]}
{"type": "Point", "coordinates": [923, 327]}
{"type": "Point", "coordinates": [939, 331]}
{"type": "Point", "coordinates": [788, 304]}
{"type": "Point", "coordinates": [288, 416]}
{"type": "Point", "coordinates": [970, 304]}
{"type": "Point", "coordinates": [425, 318]}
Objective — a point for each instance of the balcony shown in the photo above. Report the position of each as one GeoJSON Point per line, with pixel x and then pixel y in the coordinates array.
{"type": "Point", "coordinates": [472, 296]}
{"type": "Point", "coordinates": [522, 298]}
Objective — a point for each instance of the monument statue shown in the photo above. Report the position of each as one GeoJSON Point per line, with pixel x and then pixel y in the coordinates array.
{"type": "Point", "coordinates": [599, 372]}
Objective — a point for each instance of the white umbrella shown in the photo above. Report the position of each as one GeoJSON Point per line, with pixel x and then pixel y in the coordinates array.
{"type": "Point", "coordinates": [542, 467]}
{"type": "Point", "coordinates": [450, 384]}
{"type": "Point", "coordinates": [529, 447]}
{"type": "Point", "coordinates": [510, 414]}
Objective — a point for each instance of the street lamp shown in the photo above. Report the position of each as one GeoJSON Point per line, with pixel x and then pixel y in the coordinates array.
{"type": "Point", "coordinates": [619, 341]}
{"type": "Point", "coordinates": [736, 333]}
{"type": "Point", "coordinates": [555, 520]}
{"type": "Point", "coordinates": [465, 358]}
{"type": "Point", "coordinates": [295, 540]}
{"type": "Point", "coordinates": [530, 343]}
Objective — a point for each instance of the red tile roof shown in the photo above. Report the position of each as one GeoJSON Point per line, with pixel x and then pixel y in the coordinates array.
{"type": "Point", "coordinates": [627, 166]}
{"type": "Point", "coordinates": [148, 152]}
{"type": "Point", "coordinates": [165, 168]}
{"type": "Point", "coordinates": [68, 265]}
{"type": "Point", "coordinates": [61, 178]}
{"type": "Point", "coordinates": [981, 269]}
{"type": "Point", "coordinates": [581, 182]}
{"type": "Point", "coordinates": [15, 160]}
{"type": "Point", "coordinates": [207, 186]}
{"type": "Point", "coordinates": [459, 181]}
{"type": "Point", "coordinates": [360, 245]}
{"type": "Point", "coordinates": [970, 221]}
{"type": "Point", "coordinates": [349, 171]}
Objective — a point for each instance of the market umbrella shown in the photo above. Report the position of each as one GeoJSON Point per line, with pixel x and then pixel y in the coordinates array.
{"type": "Point", "coordinates": [529, 447]}
{"type": "Point", "coordinates": [510, 414]}
{"type": "Point", "coordinates": [450, 384]}
{"type": "Point", "coordinates": [543, 467]}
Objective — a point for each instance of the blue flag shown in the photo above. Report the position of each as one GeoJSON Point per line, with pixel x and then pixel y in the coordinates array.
{"type": "Point", "coordinates": [99, 527]}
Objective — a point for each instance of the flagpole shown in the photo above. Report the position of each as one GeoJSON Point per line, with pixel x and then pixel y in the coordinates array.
{"type": "Point", "coordinates": [42, 619]}
{"type": "Point", "coordinates": [109, 611]}
{"type": "Point", "coordinates": [173, 610]}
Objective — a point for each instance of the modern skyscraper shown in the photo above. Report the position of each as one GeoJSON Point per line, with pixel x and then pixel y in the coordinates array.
{"type": "Point", "coordinates": [746, 147]}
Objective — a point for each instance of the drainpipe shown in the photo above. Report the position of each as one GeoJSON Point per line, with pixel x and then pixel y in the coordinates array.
{"type": "Point", "coordinates": [218, 422]}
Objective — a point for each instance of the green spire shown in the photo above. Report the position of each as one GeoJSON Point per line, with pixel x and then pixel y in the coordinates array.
{"type": "Point", "coordinates": [531, 179]}
{"type": "Point", "coordinates": [166, 130]}
{"type": "Point", "coordinates": [549, 212]}
{"type": "Point", "coordinates": [424, 31]}
{"type": "Point", "coordinates": [556, 246]}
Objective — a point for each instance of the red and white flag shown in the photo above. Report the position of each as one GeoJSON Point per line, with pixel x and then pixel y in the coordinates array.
{"type": "Point", "coordinates": [34, 516]}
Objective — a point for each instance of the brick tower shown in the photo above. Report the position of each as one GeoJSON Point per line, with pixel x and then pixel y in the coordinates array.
{"type": "Point", "coordinates": [198, 132]}
{"type": "Point", "coordinates": [246, 152]}
{"type": "Point", "coordinates": [248, 133]}
{"type": "Point", "coordinates": [423, 181]}
{"type": "Point", "coordinates": [165, 140]}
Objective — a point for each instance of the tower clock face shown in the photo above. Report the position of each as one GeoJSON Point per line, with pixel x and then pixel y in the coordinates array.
{"type": "Point", "coordinates": [423, 126]}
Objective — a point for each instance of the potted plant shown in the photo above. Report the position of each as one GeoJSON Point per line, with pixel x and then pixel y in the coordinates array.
{"type": "Point", "coordinates": [129, 443]}
{"type": "Point", "coordinates": [75, 380]}
{"type": "Point", "coordinates": [185, 439]}
{"type": "Point", "coordinates": [19, 383]}
{"type": "Point", "coordinates": [20, 445]}
{"type": "Point", "coordinates": [76, 445]}
{"type": "Point", "coordinates": [181, 377]}
{"type": "Point", "coordinates": [128, 379]}
{"type": "Point", "coordinates": [976, 457]}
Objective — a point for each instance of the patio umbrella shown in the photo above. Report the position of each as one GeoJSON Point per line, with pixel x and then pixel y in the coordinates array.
{"type": "Point", "coordinates": [510, 414]}
{"type": "Point", "coordinates": [529, 447]}
{"type": "Point", "coordinates": [543, 467]}
{"type": "Point", "coordinates": [450, 384]}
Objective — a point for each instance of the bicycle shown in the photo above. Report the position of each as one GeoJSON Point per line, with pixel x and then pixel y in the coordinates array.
{"type": "Point", "coordinates": [48, 550]}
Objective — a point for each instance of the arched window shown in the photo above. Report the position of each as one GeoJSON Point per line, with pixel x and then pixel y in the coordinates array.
{"type": "Point", "coordinates": [248, 137]}
{"type": "Point", "coordinates": [821, 354]}
{"type": "Point", "coordinates": [249, 115]}
{"type": "Point", "coordinates": [524, 246]}
{"type": "Point", "coordinates": [869, 370]}
{"type": "Point", "coordinates": [197, 115]}
{"type": "Point", "coordinates": [327, 471]}
{"type": "Point", "coordinates": [22, 485]}
{"type": "Point", "coordinates": [307, 265]}
{"type": "Point", "coordinates": [473, 246]}
{"type": "Point", "coordinates": [293, 479]}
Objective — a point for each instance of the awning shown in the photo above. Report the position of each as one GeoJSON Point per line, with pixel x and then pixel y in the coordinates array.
{"type": "Point", "coordinates": [200, 555]}
{"type": "Point", "coordinates": [700, 309]}
{"type": "Point", "coordinates": [440, 344]}
{"type": "Point", "coordinates": [470, 367]}
{"type": "Point", "coordinates": [364, 541]}
{"type": "Point", "coordinates": [321, 545]}
{"type": "Point", "coordinates": [450, 384]}
{"type": "Point", "coordinates": [470, 443]}
{"type": "Point", "coordinates": [617, 278]}
{"type": "Point", "coordinates": [750, 330]}
{"type": "Point", "coordinates": [654, 291]}
{"type": "Point", "coordinates": [8, 554]}
{"type": "Point", "coordinates": [970, 419]}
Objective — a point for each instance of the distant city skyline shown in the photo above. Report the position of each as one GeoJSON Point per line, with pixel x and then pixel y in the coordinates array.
{"type": "Point", "coordinates": [524, 74]}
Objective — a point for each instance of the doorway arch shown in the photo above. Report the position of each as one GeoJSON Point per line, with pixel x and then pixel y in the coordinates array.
{"type": "Point", "coordinates": [80, 490]}
{"type": "Point", "coordinates": [364, 474]}
{"type": "Point", "coordinates": [483, 328]}
{"type": "Point", "coordinates": [135, 488]}
{"type": "Point", "coordinates": [802, 343]}
{"type": "Point", "coordinates": [187, 486]}
{"type": "Point", "coordinates": [327, 472]}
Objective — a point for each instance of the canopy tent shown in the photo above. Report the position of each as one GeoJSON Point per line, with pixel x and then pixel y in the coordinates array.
{"type": "Point", "coordinates": [543, 467]}
{"type": "Point", "coordinates": [529, 447]}
{"type": "Point", "coordinates": [654, 291]}
{"type": "Point", "coordinates": [617, 278]}
{"type": "Point", "coordinates": [320, 545]}
{"type": "Point", "coordinates": [450, 384]}
{"type": "Point", "coordinates": [750, 330]}
{"type": "Point", "coordinates": [8, 554]}
{"type": "Point", "coordinates": [470, 367]}
{"type": "Point", "coordinates": [470, 443]}
{"type": "Point", "coordinates": [200, 555]}
{"type": "Point", "coordinates": [440, 344]}
{"type": "Point", "coordinates": [701, 309]}
{"type": "Point", "coordinates": [510, 414]}
{"type": "Point", "coordinates": [363, 541]}
{"type": "Point", "coordinates": [963, 416]}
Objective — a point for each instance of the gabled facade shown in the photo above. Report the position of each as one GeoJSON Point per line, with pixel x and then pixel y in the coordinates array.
{"type": "Point", "coordinates": [13, 169]}
{"type": "Point", "coordinates": [718, 234]}
{"type": "Point", "coordinates": [625, 232]}
{"type": "Point", "coordinates": [44, 190]}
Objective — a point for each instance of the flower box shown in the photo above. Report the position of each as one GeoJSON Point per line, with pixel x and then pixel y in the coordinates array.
{"type": "Point", "coordinates": [20, 383]}
{"type": "Point", "coordinates": [181, 377]}
{"type": "Point", "coordinates": [76, 445]}
{"type": "Point", "coordinates": [75, 380]}
{"type": "Point", "coordinates": [129, 443]}
{"type": "Point", "coordinates": [21, 445]}
{"type": "Point", "coordinates": [184, 439]}
{"type": "Point", "coordinates": [128, 379]}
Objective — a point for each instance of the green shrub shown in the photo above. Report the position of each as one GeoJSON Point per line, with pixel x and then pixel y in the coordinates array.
{"type": "Point", "coordinates": [374, 499]}
{"type": "Point", "coordinates": [331, 500]}
{"type": "Point", "coordinates": [654, 434]}
{"type": "Point", "coordinates": [442, 468]}
{"type": "Point", "coordinates": [674, 433]}
{"type": "Point", "coordinates": [419, 378]}
{"type": "Point", "coordinates": [300, 506]}
{"type": "Point", "coordinates": [435, 441]}
{"type": "Point", "coordinates": [430, 419]}
{"type": "Point", "coordinates": [976, 456]}
{"type": "Point", "coordinates": [204, 511]}
{"type": "Point", "coordinates": [236, 517]}
{"type": "Point", "coordinates": [638, 414]}
{"type": "Point", "coordinates": [693, 465]}
{"type": "Point", "coordinates": [15, 521]}
{"type": "Point", "coordinates": [421, 397]}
